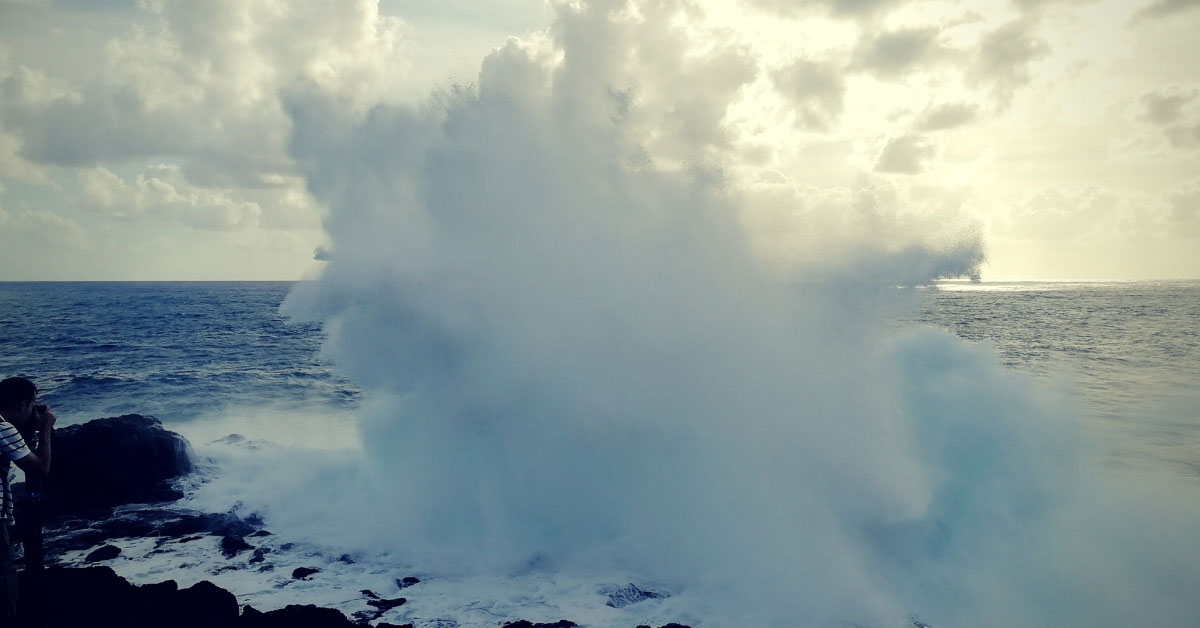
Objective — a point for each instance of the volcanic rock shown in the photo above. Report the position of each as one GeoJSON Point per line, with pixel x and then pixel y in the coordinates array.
{"type": "Point", "coordinates": [232, 545]}
{"type": "Point", "coordinates": [623, 596]}
{"type": "Point", "coordinates": [521, 623]}
{"type": "Point", "coordinates": [107, 552]}
{"type": "Point", "coordinates": [302, 573]}
{"type": "Point", "coordinates": [118, 460]}
{"type": "Point", "coordinates": [298, 616]}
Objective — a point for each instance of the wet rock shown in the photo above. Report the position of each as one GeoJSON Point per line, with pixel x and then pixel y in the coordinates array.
{"type": "Point", "coordinates": [232, 545]}
{"type": "Point", "coordinates": [206, 523]}
{"type": "Point", "coordinates": [107, 552]}
{"type": "Point", "coordinates": [96, 596]}
{"type": "Point", "coordinates": [620, 597]}
{"type": "Point", "coordinates": [128, 459]}
{"type": "Point", "coordinates": [303, 573]}
{"type": "Point", "coordinates": [387, 605]}
{"type": "Point", "coordinates": [258, 556]}
{"type": "Point", "coordinates": [406, 582]}
{"type": "Point", "coordinates": [204, 604]}
{"type": "Point", "coordinates": [298, 616]}
{"type": "Point", "coordinates": [525, 624]}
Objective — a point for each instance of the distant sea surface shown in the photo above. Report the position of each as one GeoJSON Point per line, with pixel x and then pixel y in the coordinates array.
{"type": "Point", "coordinates": [175, 350]}
{"type": "Point", "coordinates": [1130, 351]}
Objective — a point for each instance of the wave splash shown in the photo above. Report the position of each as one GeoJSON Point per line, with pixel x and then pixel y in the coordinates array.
{"type": "Point", "coordinates": [575, 358]}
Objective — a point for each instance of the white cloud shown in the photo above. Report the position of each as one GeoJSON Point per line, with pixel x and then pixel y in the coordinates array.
{"type": "Point", "coordinates": [162, 192]}
{"type": "Point", "coordinates": [947, 116]}
{"type": "Point", "coordinates": [203, 82]}
{"type": "Point", "coordinates": [817, 91]}
{"type": "Point", "coordinates": [849, 8]}
{"type": "Point", "coordinates": [1175, 111]}
{"type": "Point", "coordinates": [1093, 214]}
{"type": "Point", "coordinates": [45, 229]}
{"type": "Point", "coordinates": [906, 154]}
{"type": "Point", "coordinates": [1004, 58]}
{"type": "Point", "coordinates": [1184, 206]}
{"type": "Point", "coordinates": [893, 53]}
{"type": "Point", "coordinates": [1165, 8]}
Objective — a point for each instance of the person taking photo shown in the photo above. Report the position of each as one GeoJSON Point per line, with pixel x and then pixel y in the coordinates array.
{"type": "Point", "coordinates": [18, 406]}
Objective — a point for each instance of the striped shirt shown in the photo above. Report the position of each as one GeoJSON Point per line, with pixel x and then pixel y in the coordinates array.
{"type": "Point", "coordinates": [12, 447]}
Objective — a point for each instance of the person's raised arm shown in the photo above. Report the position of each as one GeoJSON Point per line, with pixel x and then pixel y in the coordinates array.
{"type": "Point", "coordinates": [38, 462]}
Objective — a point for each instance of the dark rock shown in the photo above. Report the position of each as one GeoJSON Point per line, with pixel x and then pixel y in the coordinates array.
{"type": "Point", "coordinates": [125, 527]}
{"type": "Point", "coordinates": [623, 596]}
{"type": "Point", "coordinates": [258, 556]}
{"type": "Point", "coordinates": [259, 533]}
{"type": "Point", "coordinates": [521, 623]}
{"type": "Point", "coordinates": [407, 582]}
{"type": "Point", "coordinates": [117, 460]}
{"type": "Point", "coordinates": [302, 573]}
{"type": "Point", "coordinates": [207, 523]}
{"type": "Point", "coordinates": [107, 552]}
{"type": "Point", "coordinates": [387, 605]}
{"type": "Point", "coordinates": [204, 604]}
{"type": "Point", "coordinates": [74, 540]}
{"type": "Point", "coordinates": [345, 559]}
{"type": "Point", "coordinates": [94, 592]}
{"type": "Point", "coordinates": [297, 616]}
{"type": "Point", "coordinates": [384, 624]}
{"type": "Point", "coordinates": [371, 595]}
{"type": "Point", "coordinates": [232, 545]}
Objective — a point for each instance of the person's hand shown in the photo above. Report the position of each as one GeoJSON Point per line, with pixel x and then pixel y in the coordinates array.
{"type": "Point", "coordinates": [47, 418]}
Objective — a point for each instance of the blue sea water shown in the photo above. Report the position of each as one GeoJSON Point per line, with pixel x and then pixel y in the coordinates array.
{"type": "Point", "coordinates": [178, 350]}
{"type": "Point", "coordinates": [175, 350]}
{"type": "Point", "coordinates": [1130, 352]}
{"type": "Point", "coordinates": [1127, 353]}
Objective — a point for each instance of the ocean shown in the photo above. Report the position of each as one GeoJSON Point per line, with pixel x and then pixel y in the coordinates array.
{"type": "Point", "coordinates": [213, 359]}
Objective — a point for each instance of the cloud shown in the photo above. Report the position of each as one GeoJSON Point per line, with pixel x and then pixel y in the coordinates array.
{"type": "Point", "coordinates": [1175, 111]}
{"type": "Point", "coordinates": [850, 8]}
{"type": "Point", "coordinates": [816, 89]}
{"type": "Point", "coordinates": [45, 229]}
{"type": "Point", "coordinates": [1164, 8]}
{"type": "Point", "coordinates": [1004, 58]}
{"type": "Point", "coordinates": [1184, 208]}
{"type": "Point", "coordinates": [947, 116]}
{"type": "Point", "coordinates": [203, 85]}
{"type": "Point", "coordinates": [906, 154]}
{"type": "Point", "coordinates": [892, 53]}
{"type": "Point", "coordinates": [161, 191]}
{"type": "Point", "coordinates": [1085, 213]}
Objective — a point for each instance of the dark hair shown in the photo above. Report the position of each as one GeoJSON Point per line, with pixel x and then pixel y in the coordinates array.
{"type": "Point", "coordinates": [15, 391]}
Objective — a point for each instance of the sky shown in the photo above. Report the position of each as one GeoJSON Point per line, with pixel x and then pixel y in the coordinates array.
{"type": "Point", "coordinates": [153, 139]}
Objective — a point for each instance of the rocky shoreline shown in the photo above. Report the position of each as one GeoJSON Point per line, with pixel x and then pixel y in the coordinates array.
{"type": "Point", "coordinates": [114, 479]}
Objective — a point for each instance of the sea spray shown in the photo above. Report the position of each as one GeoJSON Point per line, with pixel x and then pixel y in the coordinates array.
{"type": "Point", "coordinates": [576, 359]}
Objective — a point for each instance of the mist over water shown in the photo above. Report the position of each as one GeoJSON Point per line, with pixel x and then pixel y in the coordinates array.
{"type": "Point", "coordinates": [576, 358]}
